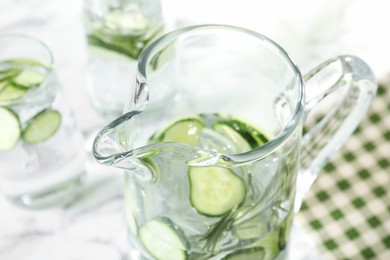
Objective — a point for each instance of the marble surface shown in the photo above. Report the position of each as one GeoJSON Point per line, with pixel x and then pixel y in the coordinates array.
{"type": "Point", "coordinates": [93, 227]}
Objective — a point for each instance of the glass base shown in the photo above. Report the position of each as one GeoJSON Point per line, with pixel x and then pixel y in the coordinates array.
{"type": "Point", "coordinates": [58, 195]}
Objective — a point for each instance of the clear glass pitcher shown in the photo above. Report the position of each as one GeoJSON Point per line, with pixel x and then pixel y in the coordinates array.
{"type": "Point", "coordinates": [212, 142]}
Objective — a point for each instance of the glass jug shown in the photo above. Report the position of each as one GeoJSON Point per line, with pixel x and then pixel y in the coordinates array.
{"type": "Point", "coordinates": [213, 146]}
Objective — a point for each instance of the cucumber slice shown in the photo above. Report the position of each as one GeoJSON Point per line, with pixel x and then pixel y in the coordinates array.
{"type": "Point", "coordinates": [163, 239]}
{"type": "Point", "coordinates": [9, 73]}
{"type": "Point", "coordinates": [255, 253]}
{"type": "Point", "coordinates": [270, 243]}
{"type": "Point", "coordinates": [251, 135]}
{"type": "Point", "coordinates": [11, 93]}
{"type": "Point", "coordinates": [3, 84]}
{"type": "Point", "coordinates": [184, 131]}
{"type": "Point", "coordinates": [226, 130]}
{"type": "Point", "coordinates": [42, 126]}
{"type": "Point", "coordinates": [215, 190]}
{"type": "Point", "coordinates": [29, 78]}
{"type": "Point", "coordinates": [10, 129]}
{"type": "Point", "coordinates": [250, 229]}
{"type": "Point", "coordinates": [23, 62]}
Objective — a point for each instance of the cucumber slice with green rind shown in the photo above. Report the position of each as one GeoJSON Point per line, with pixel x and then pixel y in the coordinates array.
{"type": "Point", "coordinates": [10, 129]}
{"type": "Point", "coordinates": [29, 78]}
{"type": "Point", "coordinates": [42, 126]}
{"type": "Point", "coordinates": [255, 253]}
{"type": "Point", "coordinates": [252, 136]}
{"type": "Point", "coordinates": [184, 131]}
{"type": "Point", "coordinates": [3, 85]}
{"type": "Point", "coordinates": [250, 229]}
{"type": "Point", "coordinates": [9, 73]}
{"type": "Point", "coordinates": [11, 93]}
{"type": "Point", "coordinates": [215, 191]}
{"type": "Point", "coordinates": [271, 244]}
{"type": "Point", "coordinates": [23, 62]}
{"type": "Point", "coordinates": [163, 239]}
{"type": "Point", "coordinates": [226, 130]}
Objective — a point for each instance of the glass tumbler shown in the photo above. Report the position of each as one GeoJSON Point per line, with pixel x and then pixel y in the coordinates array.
{"type": "Point", "coordinates": [41, 159]}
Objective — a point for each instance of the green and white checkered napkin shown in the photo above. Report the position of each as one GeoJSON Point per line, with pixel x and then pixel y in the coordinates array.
{"type": "Point", "coordinates": [347, 210]}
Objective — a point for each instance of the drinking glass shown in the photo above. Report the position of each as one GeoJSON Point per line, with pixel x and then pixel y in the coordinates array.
{"type": "Point", "coordinates": [117, 32]}
{"type": "Point", "coordinates": [41, 160]}
{"type": "Point", "coordinates": [212, 141]}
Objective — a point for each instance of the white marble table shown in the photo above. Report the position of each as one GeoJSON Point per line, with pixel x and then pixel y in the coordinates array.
{"type": "Point", "coordinates": [94, 226]}
{"type": "Point", "coordinates": [91, 228]}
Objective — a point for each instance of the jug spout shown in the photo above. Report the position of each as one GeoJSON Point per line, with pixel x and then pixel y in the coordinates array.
{"type": "Point", "coordinates": [111, 144]}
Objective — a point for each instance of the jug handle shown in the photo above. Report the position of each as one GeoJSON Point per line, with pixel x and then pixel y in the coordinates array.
{"type": "Point", "coordinates": [355, 81]}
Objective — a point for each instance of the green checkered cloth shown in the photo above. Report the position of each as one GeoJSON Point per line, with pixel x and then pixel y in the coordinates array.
{"type": "Point", "coordinates": [347, 211]}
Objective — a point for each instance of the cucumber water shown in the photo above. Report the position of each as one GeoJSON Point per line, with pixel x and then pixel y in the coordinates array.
{"type": "Point", "coordinates": [18, 78]}
{"type": "Point", "coordinates": [124, 32]}
{"type": "Point", "coordinates": [116, 37]}
{"type": "Point", "coordinates": [41, 163]}
{"type": "Point", "coordinates": [215, 211]}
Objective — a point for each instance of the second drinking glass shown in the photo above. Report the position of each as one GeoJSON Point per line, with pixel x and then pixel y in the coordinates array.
{"type": "Point", "coordinates": [41, 159]}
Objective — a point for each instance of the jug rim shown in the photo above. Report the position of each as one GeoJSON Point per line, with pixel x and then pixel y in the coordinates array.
{"type": "Point", "coordinates": [39, 42]}
{"type": "Point", "coordinates": [290, 127]}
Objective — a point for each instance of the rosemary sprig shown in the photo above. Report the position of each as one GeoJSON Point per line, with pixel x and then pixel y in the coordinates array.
{"type": "Point", "coordinates": [217, 230]}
